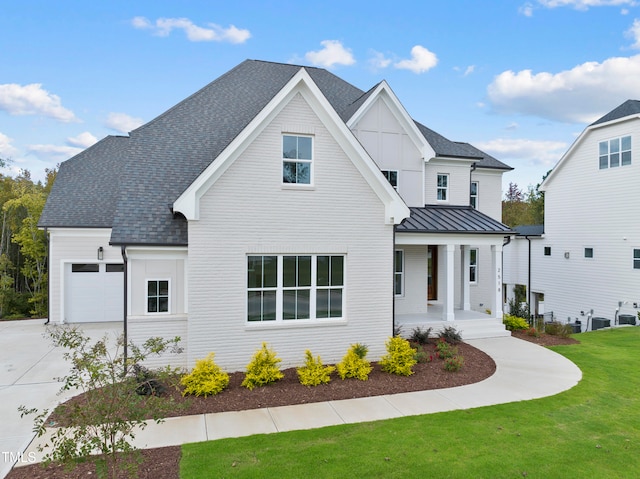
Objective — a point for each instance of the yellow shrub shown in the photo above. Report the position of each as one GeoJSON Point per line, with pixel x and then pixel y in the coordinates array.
{"type": "Point", "coordinates": [313, 372]}
{"type": "Point", "coordinates": [400, 357]}
{"type": "Point", "coordinates": [354, 364]}
{"type": "Point", "coordinates": [205, 379]}
{"type": "Point", "coordinates": [263, 368]}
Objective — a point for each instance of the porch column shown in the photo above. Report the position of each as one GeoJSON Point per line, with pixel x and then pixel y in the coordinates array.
{"type": "Point", "coordinates": [447, 303]}
{"type": "Point", "coordinates": [465, 300]}
{"type": "Point", "coordinates": [496, 267]}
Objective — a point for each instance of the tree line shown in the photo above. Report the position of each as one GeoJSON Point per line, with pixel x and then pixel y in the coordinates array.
{"type": "Point", "coordinates": [523, 207]}
{"type": "Point", "coordinates": [23, 247]}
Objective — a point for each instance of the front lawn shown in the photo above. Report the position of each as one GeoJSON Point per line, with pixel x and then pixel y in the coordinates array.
{"type": "Point", "coordinates": [592, 430]}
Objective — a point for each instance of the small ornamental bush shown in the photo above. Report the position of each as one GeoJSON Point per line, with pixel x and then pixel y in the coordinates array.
{"type": "Point", "coordinates": [514, 323]}
{"type": "Point", "coordinates": [533, 332]}
{"type": "Point", "coordinates": [450, 335]}
{"type": "Point", "coordinates": [420, 336]}
{"type": "Point", "coordinates": [354, 364]}
{"type": "Point", "coordinates": [444, 350]}
{"type": "Point", "coordinates": [263, 368]}
{"type": "Point", "coordinates": [400, 357]}
{"type": "Point", "coordinates": [206, 378]}
{"type": "Point", "coordinates": [454, 363]}
{"type": "Point", "coordinates": [314, 372]}
{"type": "Point", "coordinates": [421, 356]}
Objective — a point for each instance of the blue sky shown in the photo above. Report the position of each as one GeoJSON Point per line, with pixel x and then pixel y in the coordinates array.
{"type": "Point", "coordinates": [519, 79]}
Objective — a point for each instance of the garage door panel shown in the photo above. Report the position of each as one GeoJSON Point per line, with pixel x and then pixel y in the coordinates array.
{"type": "Point", "coordinates": [92, 293]}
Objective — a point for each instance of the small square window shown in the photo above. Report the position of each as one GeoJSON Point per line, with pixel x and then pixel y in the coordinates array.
{"type": "Point", "coordinates": [158, 296]}
{"type": "Point", "coordinates": [547, 250]}
{"type": "Point", "coordinates": [392, 177]}
{"type": "Point", "coordinates": [588, 252]}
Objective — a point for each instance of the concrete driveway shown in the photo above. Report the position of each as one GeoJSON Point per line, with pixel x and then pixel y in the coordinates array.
{"type": "Point", "coordinates": [28, 365]}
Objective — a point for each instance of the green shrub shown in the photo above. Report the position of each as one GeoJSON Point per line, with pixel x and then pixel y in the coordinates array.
{"type": "Point", "coordinates": [533, 332]}
{"type": "Point", "coordinates": [445, 350]}
{"type": "Point", "coordinates": [206, 378]}
{"type": "Point", "coordinates": [354, 364]}
{"type": "Point", "coordinates": [454, 363]}
{"type": "Point", "coordinates": [400, 357]}
{"type": "Point", "coordinates": [514, 323]}
{"type": "Point", "coordinates": [263, 368]}
{"type": "Point", "coordinates": [420, 336]}
{"type": "Point", "coordinates": [450, 335]}
{"type": "Point", "coordinates": [314, 372]}
{"type": "Point", "coordinates": [555, 328]}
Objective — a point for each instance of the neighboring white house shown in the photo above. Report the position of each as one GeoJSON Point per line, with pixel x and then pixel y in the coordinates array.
{"type": "Point", "coordinates": [588, 258]}
{"type": "Point", "coordinates": [279, 204]}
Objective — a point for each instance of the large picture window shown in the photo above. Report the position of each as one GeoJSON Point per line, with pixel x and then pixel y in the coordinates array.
{"type": "Point", "coordinates": [615, 152]}
{"type": "Point", "coordinates": [295, 287]}
{"type": "Point", "coordinates": [297, 155]}
{"type": "Point", "coordinates": [442, 191]}
{"type": "Point", "coordinates": [158, 296]}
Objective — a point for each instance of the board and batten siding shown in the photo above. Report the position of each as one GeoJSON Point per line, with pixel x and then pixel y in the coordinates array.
{"type": "Point", "coordinates": [489, 191]}
{"type": "Point", "coordinates": [74, 245]}
{"type": "Point", "coordinates": [586, 207]}
{"type": "Point", "coordinates": [249, 212]}
{"type": "Point", "coordinates": [391, 148]}
{"type": "Point", "coordinates": [459, 189]}
{"type": "Point", "coordinates": [414, 297]}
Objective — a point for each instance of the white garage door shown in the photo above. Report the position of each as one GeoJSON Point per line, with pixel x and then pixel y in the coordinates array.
{"type": "Point", "coordinates": [93, 292]}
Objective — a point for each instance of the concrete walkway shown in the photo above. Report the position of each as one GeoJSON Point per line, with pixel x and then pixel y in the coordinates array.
{"type": "Point", "coordinates": [524, 371]}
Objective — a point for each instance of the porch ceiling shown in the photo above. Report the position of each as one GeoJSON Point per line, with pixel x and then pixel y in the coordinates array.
{"type": "Point", "coordinates": [450, 219]}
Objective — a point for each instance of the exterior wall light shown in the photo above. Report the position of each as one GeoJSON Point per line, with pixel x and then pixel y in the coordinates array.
{"type": "Point", "coordinates": [100, 253]}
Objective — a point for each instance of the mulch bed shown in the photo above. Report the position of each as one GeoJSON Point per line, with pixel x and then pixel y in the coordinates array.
{"type": "Point", "coordinates": [163, 463]}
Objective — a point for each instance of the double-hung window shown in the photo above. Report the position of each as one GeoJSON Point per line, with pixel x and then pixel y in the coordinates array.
{"type": "Point", "coordinates": [473, 195]}
{"type": "Point", "coordinates": [158, 296]}
{"type": "Point", "coordinates": [398, 273]}
{"type": "Point", "coordinates": [615, 152]}
{"type": "Point", "coordinates": [442, 190]}
{"type": "Point", "coordinates": [295, 287]}
{"type": "Point", "coordinates": [297, 157]}
{"type": "Point", "coordinates": [473, 265]}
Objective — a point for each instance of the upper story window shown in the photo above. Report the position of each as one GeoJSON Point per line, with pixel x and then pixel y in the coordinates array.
{"type": "Point", "coordinates": [443, 187]}
{"type": "Point", "coordinates": [297, 156]}
{"type": "Point", "coordinates": [473, 195]}
{"type": "Point", "coordinates": [158, 296]}
{"type": "Point", "coordinates": [392, 177]}
{"type": "Point", "coordinates": [615, 152]}
{"type": "Point", "coordinates": [473, 265]}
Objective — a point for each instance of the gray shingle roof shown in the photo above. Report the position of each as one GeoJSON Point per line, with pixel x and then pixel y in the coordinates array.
{"type": "Point", "coordinates": [128, 184]}
{"type": "Point", "coordinates": [450, 219]}
{"type": "Point", "coordinates": [529, 230]}
{"type": "Point", "coordinates": [629, 107]}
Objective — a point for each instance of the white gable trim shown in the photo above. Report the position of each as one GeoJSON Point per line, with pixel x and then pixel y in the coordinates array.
{"type": "Point", "coordinates": [395, 209]}
{"type": "Point", "coordinates": [577, 142]}
{"type": "Point", "coordinates": [384, 92]}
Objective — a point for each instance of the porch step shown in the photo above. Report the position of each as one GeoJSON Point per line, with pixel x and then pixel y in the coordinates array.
{"type": "Point", "coordinates": [468, 328]}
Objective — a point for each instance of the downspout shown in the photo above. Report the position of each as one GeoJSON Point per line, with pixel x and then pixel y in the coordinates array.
{"type": "Point", "coordinates": [123, 250]}
{"type": "Point", "coordinates": [473, 168]}
{"type": "Point", "coordinates": [507, 240]}
{"type": "Point", "coordinates": [393, 284]}
{"type": "Point", "coordinates": [529, 281]}
{"type": "Point", "coordinates": [46, 233]}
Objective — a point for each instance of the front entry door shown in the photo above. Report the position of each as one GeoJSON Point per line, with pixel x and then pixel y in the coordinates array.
{"type": "Point", "coordinates": [432, 272]}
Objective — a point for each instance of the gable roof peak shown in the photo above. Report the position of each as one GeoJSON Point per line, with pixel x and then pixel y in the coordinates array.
{"type": "Point", "coordinates": [628, 108]}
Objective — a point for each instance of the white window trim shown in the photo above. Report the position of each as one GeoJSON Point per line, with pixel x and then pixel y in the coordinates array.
{"type": "Point", "coordinates": [311, 162]}
{"type": "Point", "coordinates": [146, 296]}
{"type": "Point", "coordinates": [280, 321]}
{"type": "Point", "coordinates": [446, 188]}
{"type": "Point", "coordinates": [473, 266]}
{"type": "Point", "coordinates": [620, 151]}
{"type": "Point", "coordinates": [476, 196]}
{"type": "Point", "coordinates": [401, 273]}
{"type": "Point", "coordinates": [385, 172]}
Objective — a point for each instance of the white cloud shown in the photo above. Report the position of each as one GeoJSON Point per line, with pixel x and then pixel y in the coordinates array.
{"type": "Point", "coordinates": [470, 69]}
{"type": "Point", "coordinates": [211, 33]}
{"type": "Point", "coordinates": [333, 53]}
{"type": "Point", "coordinates": [33, 100]}
{"type": "Point", "coordinates": [122, 123]}
{"type": "Point", "coordinates": [579, 95]}
{"type": "Point", "coordinates": [586, 4]}
{"type": "Point", "coordinates": [6, 148]}
{"type": "Point", "coordinates": [54, 152]}
{"type": "Point", "coordinates": [421, 60]}
{"type": "Point", "coordinates": [379, 61]}
{"type": "Point", "coordinates": [534, 152]}
{"type": "Point", "coordinates": [634, 34]}
{"type": "Point", "coordinates": [83, 140]}
{"type": "Point", "coordinates": [526, 9]}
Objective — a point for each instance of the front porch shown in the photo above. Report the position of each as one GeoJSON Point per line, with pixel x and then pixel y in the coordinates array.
{"type": "Point", "coordinates": [470, 324]}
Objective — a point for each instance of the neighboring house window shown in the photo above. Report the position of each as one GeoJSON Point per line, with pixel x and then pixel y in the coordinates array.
{"type": "Point", "coordinates": [392, 177]}
{"type": "Point", "coordinates": [158, 296]}
{"type": "Point", "coordinates": [588, 252]}
{"type": "Point", "coordinates": [262, 283]}
{"type": "Point", "coordinates": [473, 265]}
{"type": "Point", "coordinates": [286, 287]}
{"type": "Point", "coordinates": [297, 157]}
{"type": "Point", "coordinates": [636, 259]}
{"type": "Point", "coordinates": [615, 152]}
{"type": "Point", "coordinates": [547, 250]}
{"type": "Point", "coordinates": [443, 187]}
{"type": "Point", "coordinates": [398, 273]}
{"type": "Point", "coordinates": [473, 196]}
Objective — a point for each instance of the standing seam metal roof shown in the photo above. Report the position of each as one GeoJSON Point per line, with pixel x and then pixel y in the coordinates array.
{"type": "Point", "coordinates": [450, 219]}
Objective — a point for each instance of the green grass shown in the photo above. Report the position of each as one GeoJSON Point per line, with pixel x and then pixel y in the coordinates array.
{"type": "Point", "coordinates": [592, 430]}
